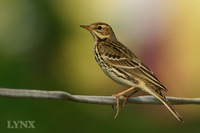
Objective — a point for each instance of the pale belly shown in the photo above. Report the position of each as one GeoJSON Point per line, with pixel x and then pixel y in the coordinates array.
{"type": "Point", "coordinates": [119, 78]}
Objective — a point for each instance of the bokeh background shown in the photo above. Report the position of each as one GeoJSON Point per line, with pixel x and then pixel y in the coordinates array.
{"type": "Point", "coordinates": [43, 47]}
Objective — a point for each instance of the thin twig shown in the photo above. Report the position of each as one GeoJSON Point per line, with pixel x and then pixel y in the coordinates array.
{"type": "Point", "coordinates": [105, 100]}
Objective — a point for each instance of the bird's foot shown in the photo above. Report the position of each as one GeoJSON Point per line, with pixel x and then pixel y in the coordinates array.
{"type": "Point", "coordinates": [117, 105]}
{"type": "Point", "coordinates": [121, 94]}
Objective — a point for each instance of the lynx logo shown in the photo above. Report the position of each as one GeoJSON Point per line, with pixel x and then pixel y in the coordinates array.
{"type": "Point", "coordinates": [20, 124]}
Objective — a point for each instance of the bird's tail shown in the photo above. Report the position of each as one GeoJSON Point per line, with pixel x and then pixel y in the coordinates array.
{"type": "Point", "coordinates": [162, 98]}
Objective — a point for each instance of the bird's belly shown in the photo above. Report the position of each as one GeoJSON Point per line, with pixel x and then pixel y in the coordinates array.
{"type": "Point", "coordinates": [119, 77]}
{"type": "Point", "coordinates": [115, 74]}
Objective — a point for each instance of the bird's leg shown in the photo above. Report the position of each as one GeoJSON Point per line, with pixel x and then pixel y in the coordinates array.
{"type": "Point", "coordinates": [126, 97]}
{"type": "Point", "coordinates": [118, 95]}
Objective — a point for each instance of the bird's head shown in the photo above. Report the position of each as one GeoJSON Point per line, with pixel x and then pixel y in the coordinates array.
{"type": "Point", "coordinates": [100, 30]}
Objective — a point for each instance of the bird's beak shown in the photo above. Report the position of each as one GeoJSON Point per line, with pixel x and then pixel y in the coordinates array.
{"type": "Point", "coordinates": [86, 27]}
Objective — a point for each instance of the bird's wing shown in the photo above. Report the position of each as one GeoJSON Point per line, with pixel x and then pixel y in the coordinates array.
{"type": "Point", "coordinates": [121, 57]}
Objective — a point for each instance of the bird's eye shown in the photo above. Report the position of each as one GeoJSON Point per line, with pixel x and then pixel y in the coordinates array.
{"type": "Point", "coordinates": [99, 27]}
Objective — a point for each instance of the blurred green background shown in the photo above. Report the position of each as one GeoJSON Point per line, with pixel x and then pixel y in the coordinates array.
{"type": "Point", "coordinates": [43, 47]}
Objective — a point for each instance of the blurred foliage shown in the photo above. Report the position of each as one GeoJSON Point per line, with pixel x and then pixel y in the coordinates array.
{"type": "Point", "coordinates": [42, 47]}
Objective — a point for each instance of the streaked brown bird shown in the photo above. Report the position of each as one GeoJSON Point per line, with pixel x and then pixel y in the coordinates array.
{"type": "Point", "coordinates": [122, 66]}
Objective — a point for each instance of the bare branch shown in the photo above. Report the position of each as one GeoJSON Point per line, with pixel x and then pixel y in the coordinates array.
{"type": "Point", "coordinates": [105, 100]}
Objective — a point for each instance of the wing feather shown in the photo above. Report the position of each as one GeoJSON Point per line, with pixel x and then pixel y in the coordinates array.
{"type": "Point", "coordinates": [128, 62]}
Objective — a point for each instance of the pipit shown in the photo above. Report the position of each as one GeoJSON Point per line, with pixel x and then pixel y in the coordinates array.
{"type": "Point", "coordinates": [122, 66]}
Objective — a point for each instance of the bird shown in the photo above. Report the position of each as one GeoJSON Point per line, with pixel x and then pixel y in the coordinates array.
{"type": "Point", "coordinates": [124, 67]}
